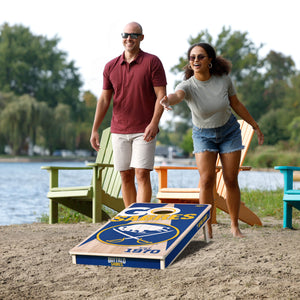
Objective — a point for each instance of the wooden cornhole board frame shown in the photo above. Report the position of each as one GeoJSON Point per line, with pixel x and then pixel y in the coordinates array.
{"type": "Point", "coordinates": [144, 235]}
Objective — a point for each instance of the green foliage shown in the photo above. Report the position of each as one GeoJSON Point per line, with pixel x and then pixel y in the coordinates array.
{"type": "Point", "coordinates": [40, 95]}
{"type": "Point", "coordinates": [274, 125]}
{"type": "Point", "coordinates": [236, 47]}
{"type": "Point", "coordinates": [187, 142]}
{"type": "Point", "coordinates": [294, 129]}
{"type": "Point", "coordinates": [291, 101]}
{"type": "Point", "coordinates": [34, 65]}
{"type": "Point", "coordinates": [19, 121]}
{"type": "Point", "coordinates": [278, 66]}
{"type": "Point", "coordinates": [265, 203]}
{"type": "Point", "coordinates": [64, 130]}
{"type": "Point", "coordinates": [270, 156]}
{"type": "Point", "coordinates": [250, 91]}
{"type": "Point", "coordinates": [67, 215]}
{"type": "Point", "coordinates": [163, 137]}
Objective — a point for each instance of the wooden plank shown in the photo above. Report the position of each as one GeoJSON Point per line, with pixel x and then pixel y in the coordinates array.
{"type": "Point", "coordinates": [180, 190]}
{"type": "Point", "coordinates": [72, 188]}
{"type": "Point", "coordinates": [68, 194]}
{"type": "Point", "coordinates": [182, 195]}
{"type": "Point", "coordinates": [144, 235]}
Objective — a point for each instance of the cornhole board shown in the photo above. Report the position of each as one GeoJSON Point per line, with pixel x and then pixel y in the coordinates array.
{"type": "Point", "coordinates": [144, 235]}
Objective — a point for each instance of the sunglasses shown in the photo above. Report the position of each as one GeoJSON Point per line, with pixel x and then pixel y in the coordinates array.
{"type": "Point", "coordinates": [199, 57]}
{"type": "Point", "coordinates": [132, 35]}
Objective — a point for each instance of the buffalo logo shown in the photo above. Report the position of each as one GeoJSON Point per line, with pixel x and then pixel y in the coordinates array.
{"type": "Point", "coordinates": [137, 234]}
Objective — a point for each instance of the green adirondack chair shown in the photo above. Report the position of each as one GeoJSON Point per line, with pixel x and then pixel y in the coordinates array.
{"type": "Point", "coordinates": [89, 200]}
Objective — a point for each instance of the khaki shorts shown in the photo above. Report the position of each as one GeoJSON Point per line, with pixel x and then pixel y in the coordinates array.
{"type": "Point", "coordinates": [132, 151]}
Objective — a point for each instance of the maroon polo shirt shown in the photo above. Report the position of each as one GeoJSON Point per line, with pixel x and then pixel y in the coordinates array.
{"type": "Point", "coordinates": [134, 96]}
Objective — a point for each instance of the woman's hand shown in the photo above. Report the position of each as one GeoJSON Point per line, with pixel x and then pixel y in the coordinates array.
{"type": "Point", "coordinates": [165, 103]}
{"type": "Point", "coordinates": [260, 136]}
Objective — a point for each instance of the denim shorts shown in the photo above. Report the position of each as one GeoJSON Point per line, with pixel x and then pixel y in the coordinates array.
{"type": "Point", "coordinates": [224, 139]}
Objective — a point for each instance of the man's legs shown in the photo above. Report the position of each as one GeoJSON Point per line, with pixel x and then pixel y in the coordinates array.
{"type": "Point", "coordinates": [143, 161]}
{"type": "Point", "coordinates": [144, 192]}
{"type": "Point", "coordinates": [128, 187]}
{"type": "Point", "coordinates": [133, 156]}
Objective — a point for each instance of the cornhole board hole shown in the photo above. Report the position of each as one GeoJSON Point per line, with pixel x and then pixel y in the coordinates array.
{"type": "Point", "coordinates": [144, 235]}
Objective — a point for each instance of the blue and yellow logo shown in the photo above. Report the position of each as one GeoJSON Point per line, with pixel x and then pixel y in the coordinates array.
{"type": "Point", "coordinates": [137, 234]}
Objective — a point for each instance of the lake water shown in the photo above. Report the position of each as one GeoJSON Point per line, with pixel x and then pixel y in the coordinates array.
{"type": "Point", "coordinates": [24, 186]}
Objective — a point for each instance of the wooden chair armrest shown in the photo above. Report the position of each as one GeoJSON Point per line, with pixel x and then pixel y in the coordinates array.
{"type": "Point", "coordinates": [160, 168]}
{"type": "Point", "coordinates": [175, 168]}
{"type": "Point", "coordinates": [163, 172]}
{"type": "Point", "coordinates": [100, 165]}
{"type": "Point", "coordinates": [50, 168]}
{"type": "Point", "coordinates": [245, 168]}
{"type": "Point", "coordinates": [287, 172]}
{"type": "Point", "coordinates": [286, 168]}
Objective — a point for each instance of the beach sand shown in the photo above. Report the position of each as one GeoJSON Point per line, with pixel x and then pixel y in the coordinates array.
{"type": "Point", "coordinates": [35, 264]}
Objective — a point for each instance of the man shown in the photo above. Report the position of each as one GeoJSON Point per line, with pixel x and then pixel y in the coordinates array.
{"type": "Point", "coordinates": [137, 82]}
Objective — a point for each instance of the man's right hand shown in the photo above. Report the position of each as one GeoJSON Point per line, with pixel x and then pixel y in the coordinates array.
{"type": "Point", "coordinates": [94, 140]}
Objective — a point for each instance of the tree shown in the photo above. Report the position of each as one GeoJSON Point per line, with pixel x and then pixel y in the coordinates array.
{"type": "Point", "coordinates": [63, 130]}
{"type": "Point", "coordinates": [294, 128]}
{"type": "Point", "coordinates": [278, 66]}
{"type": "Point", "coordinates": [34, 65]}
{"type": "Point", "coordinates": [274, 126]}
{"type": "Point", "coordinates": [279, 69]}
{"type": "Point", "coordinates": [250, 92]}
{"type": "Point", "coordinates": [291, 100]}
{"type": "Point", "coordinates": [187, 142]}
{"type": "Point", "coordinates": [241, 51]}
{"type": "Point", "coordinates": [19, 121]}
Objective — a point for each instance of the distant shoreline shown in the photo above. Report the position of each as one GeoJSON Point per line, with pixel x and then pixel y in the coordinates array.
{"type": "Point", "coordinates": [19, 159]}
{"type": "Point", "coordinates": [175, 161]}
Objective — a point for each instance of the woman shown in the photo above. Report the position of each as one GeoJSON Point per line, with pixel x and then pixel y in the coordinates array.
{"type": "Point", "coordinates": [210, 95]}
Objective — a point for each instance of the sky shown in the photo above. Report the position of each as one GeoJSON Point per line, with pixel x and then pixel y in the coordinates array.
{"type": "Point", "coordinates": [90, 30]}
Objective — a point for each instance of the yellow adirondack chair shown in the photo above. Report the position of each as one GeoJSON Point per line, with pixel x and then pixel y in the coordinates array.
{"type": "Point", "coordinates": [191, 195]}
{"type": "Point", "coordinates": [89, 200]}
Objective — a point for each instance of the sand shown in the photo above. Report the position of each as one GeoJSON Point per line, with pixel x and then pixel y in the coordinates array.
{"type": "Point", "coordinates": [35, 264]}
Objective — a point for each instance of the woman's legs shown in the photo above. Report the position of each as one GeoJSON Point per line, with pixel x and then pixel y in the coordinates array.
{"type": "Point", "coordinates": [206, 163]}
{"type": "Point", "coordinates": [230, 164]}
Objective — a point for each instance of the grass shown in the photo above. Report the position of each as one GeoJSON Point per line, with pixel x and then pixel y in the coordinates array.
{"type": "Point", "coordinates": [263, 203]}
{"type": "Point", "coordinates": [270, 156]}
{"type": "Point", "coordinates": [67, 215]}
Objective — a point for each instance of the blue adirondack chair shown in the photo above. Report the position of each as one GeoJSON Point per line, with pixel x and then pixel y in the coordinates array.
{"type": "Point", "coordinates": [89, 200]}
{"type": "Point", "coordinates": [291, 196]}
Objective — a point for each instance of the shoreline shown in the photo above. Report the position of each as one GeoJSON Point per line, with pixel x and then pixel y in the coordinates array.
{"type": "Point", "coordinates": [20, 159]}
{"type": "Point", "coordinates": [177, 161]}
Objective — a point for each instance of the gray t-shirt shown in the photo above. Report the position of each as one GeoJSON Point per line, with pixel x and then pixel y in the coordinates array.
{"type": "Point", "coordinates": [208, 100]}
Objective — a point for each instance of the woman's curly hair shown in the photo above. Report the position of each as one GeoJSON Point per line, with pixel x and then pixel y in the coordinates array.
{"type": "Point", "coordinates": [220, 65]}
